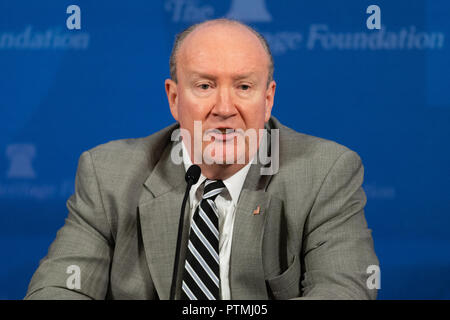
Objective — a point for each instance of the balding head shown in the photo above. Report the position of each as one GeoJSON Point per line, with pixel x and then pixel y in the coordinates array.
{"type": "Point", "coordinates": [212, 27]}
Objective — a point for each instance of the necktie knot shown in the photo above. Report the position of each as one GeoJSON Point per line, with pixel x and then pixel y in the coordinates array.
{"type": "Point", "coordinates": [212, 189]}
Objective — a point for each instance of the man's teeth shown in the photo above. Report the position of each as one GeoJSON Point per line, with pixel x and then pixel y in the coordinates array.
{"type": "Point", "coordinates": [226, 130]}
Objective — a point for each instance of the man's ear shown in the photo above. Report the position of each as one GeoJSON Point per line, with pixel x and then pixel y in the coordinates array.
{"type": "Point", "coordinates": [172, 97]}
{"type": "Point", "coordinates": [270, 95]}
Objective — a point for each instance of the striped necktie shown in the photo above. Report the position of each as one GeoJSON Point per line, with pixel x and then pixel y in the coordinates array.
{"type": "Point", "coordinates": [201, 278]}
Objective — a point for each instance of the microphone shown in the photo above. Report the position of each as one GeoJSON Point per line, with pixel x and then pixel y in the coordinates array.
{"type": "Point", "coordinates": [192, 174]}
{"type": "Point", "coordinates": [191, 177]}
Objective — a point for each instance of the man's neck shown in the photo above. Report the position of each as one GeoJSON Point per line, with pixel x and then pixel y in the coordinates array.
{"type": "Point", "coordinates": [214, 171]}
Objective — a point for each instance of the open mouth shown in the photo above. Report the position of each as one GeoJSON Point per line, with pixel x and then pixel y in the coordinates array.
{"type": "Point", "coordinates": [225, 130]}
{"type": "Point", "coordinates": [222, 134]}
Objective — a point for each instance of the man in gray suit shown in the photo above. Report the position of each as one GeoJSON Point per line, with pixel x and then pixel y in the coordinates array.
{"type": "Point", "coordinates": [298, 232]}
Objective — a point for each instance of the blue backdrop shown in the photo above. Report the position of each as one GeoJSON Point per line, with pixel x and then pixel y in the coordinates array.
{"type": "Point", "coordinates": [383, 93]}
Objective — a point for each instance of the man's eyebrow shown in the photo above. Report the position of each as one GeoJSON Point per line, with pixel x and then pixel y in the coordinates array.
{"type": "Point", "coordinates": [244, 76]}
{"type": "Point", "coordinates": [197, 75]}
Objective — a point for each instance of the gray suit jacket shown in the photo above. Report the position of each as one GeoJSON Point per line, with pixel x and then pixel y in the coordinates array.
{"type": "Point", "coordinates": [310, 239]}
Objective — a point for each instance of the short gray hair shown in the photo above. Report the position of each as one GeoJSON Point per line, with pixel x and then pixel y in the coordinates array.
{"type": "Point", "coordinates": [182, 35]}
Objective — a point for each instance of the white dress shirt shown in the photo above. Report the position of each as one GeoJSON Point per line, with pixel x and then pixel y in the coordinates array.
{"type": "Point", "coordinates": [226, 203]}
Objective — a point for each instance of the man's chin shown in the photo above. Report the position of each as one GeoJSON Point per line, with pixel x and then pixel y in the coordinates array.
{"type": "Point", "coordinates": [222, 153]}
{"type": "Point", "coordinates": [224, 160]}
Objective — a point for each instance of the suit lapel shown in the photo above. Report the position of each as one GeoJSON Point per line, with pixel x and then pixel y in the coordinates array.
{"type": "Point", "coordinates": [159, 213]}
{"type": "Point", "coordinates": [246, 270]}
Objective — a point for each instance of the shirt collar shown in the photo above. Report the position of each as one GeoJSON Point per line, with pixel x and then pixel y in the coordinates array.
{"type": "Point", "coordinates": [234, 183]}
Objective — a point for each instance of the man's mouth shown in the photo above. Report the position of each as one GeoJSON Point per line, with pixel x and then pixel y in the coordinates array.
{"type": "Point", "coordinates": [222, 134]}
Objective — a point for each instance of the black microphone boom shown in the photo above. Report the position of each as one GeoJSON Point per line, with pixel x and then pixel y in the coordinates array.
{"type": "Point", "coordinates": [191, 177]}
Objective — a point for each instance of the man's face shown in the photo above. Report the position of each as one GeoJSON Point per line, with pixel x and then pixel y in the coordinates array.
{"type": "Point", "coordinates": [222, 73]}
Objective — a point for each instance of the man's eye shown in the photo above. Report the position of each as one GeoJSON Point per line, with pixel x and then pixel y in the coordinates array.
{"type": "Point", "coordinates": [244, 86]}
{"type": "Point", "coordinates": [204, 86]}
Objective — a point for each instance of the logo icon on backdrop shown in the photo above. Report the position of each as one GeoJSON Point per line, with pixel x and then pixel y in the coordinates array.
{"type": "Point", "coordinates": [188, 10]}
{"type": "Point", "coordinates": [20, 157]}
{"type": "Point", "coordinates": [249, 11]}
{"type": "Point", "coordinates": [21, 177]}
{"type": "Point", "coordinates": [191, 11]}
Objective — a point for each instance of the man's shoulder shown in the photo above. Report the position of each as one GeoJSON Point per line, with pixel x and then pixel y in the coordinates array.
{"type": "Point", "coordinates": [132, 152]}
{"type": "Point", "coordinates": [306, 160]}
{"type": "Point", "coordinates": [297, 146]}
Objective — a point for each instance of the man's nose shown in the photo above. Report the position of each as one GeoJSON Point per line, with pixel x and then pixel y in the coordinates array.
{"type": "Point", "coordinates": [224, 106]}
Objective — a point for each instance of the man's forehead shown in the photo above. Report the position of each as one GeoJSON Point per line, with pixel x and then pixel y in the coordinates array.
{"type": "Point", "coordinates": [221, 42]}
{"type": "Point", "coordinates": [214, 29]}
